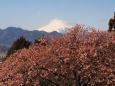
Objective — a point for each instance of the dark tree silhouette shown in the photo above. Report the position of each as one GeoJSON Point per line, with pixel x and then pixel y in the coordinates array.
{"type": "Point", "coordinates": [20, 43]}
{"type": "Point", "coordinates": [112, 24]}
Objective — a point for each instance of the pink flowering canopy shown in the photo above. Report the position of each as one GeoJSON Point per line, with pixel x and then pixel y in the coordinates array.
{"type": "Point", "coordinates": [78, 58]}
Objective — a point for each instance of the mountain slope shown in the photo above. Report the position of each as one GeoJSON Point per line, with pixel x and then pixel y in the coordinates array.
{"type": "Point", "coordinates": [8, 35]}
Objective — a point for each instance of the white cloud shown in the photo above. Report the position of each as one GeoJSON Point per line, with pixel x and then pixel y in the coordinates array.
{"type": "Point", "coordinates": [55, 25]}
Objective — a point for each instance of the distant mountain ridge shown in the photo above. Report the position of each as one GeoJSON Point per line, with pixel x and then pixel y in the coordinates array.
{"type": "Point", "coordinates": [10, 34]}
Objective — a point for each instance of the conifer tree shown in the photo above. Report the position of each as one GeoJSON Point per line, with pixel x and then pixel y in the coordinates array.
{"type": "Point", "coordinates": [20, 43]}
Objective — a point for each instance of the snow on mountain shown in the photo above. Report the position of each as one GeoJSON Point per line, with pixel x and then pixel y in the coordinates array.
{"type": "Point", "coordinates": [55, 25]}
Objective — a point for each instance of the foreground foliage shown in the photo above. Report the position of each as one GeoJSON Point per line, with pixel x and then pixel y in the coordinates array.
{"type": "Point", "coordinates": [79, 58]}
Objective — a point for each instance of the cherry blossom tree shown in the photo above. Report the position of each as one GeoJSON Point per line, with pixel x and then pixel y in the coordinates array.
{"type": "Point", "coordinates": [78, 58]}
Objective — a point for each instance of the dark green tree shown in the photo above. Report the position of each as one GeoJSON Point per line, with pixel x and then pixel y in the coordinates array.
{"type": "Point", "coordinates": [20, 43]}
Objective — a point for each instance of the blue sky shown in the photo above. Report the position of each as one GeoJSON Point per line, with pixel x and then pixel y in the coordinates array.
{"type": "Point", "coordinates": [34, 14]}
